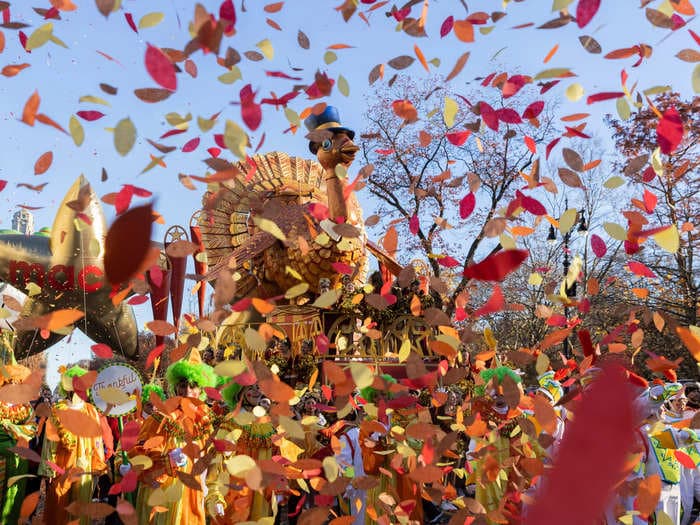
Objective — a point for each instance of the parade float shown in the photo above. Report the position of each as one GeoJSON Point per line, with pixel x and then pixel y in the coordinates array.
{"type": "Point", "coordinates": [291, 230]}
{"type": "Point", "coordinates": [61, 271]}
{"type": "Point", "coordinates": [282, 229]}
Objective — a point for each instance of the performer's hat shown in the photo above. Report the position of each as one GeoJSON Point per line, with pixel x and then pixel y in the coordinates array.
{"type": "Point", "coordinates": [329, 120]}
{"type": "Point", "coordinates": [65, 386]}
{"type": "Point", "coordinates": [550, 387]}
{"type": "Point", "coordinates": [191, 370]}
{"type": "Point", "coordinates": [151, 387]}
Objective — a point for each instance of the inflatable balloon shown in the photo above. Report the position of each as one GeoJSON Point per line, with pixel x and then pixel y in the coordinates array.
{"type": "Point", "coordinates": [63, 269]}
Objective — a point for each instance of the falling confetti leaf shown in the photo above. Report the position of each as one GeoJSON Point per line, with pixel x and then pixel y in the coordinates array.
{"type": "Point", "coordinates": [124, 136]}
{"type": "Point", "coordinates": [160, 68]}
{"type": "Point", "coordinates": [598, 246]}
{"type": "Point", "coordinates": [43, 163]}
{"type": "Point", "coordinates": [150, 20]}
{"type": "Point", "coordinates": [39, 37]}
{"type": "Point", "coordinates": [404, 109]}
{"type": "Point", "coordinates": [590, 44]}
{"type": "Point", "coordinates": [152, 94]}
{"type": "Point", "coordinates": [449, 112]}
{"type": "Point", "coordinates": [13, 69]}
{"type": "Point", "coordinates": [303, 40]}
{"type": "Point", "coordinates": [606, 404]}
{"type": "Point", "coordinates": [691, 339]}
{"type": "Point", "coordinates": [668, 239]}
{"type": "Point", "coordinates": [79, 423]}
{"type": "Point", "coordinates": [127, 244]}
{"type": "Point", "coordinates": [31, 108]}
{"type": "Point", "coordinates": [670, 131]}
{"type": "Point", "coordinates": [458, 67]}
{"type": "Point", "coordinates": [585, 11]}
{"type": "Point", "coordinates": [464, 30]}
{"type": "Point", "coordinates": [76, 131]}
{"type": "Point", "coordinates": [102, 351]}
{"type": "Point", "coordinates": [497, 266]}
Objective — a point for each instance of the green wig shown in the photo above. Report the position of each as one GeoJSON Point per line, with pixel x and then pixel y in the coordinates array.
{"type": "Point", "coordinates": [369, 393]}
{"type": "Point", "coordinates": [230, 393]}
{"type": "Point", "coordinates": [151, 387]}
{"type": "Point", "coordinates": [73, 371]}
{"type": "Point", "coordinates": [499, 373]}
{"type": "Point", "coordinates": [199, 374]}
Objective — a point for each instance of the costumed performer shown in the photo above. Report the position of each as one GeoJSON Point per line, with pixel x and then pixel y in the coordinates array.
{"type": "Point", "coordinates": [552, 390]}
{"type": "Point", "coordinates": [674, 410]}
{"type": "Point", "coordinates": [72, 461]}
{"type": "Point", "coordinates": [174, 441]}
{"type": "Point", "coordinates": [17, 428]}
{"type": "Point", "coordinates": [656, 452]}
{"type": "Point", "coordinates": [233, 494]}
{"type": "Point", "coordinates": [350, 461]}
{"type": "Point", "coordinates": [374, 403]}
{"type": "Point", "coordinates": [496, 451]}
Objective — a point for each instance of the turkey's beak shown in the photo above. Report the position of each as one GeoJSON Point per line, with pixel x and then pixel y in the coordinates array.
{"type": "Point", "coordinates": [348, 151]}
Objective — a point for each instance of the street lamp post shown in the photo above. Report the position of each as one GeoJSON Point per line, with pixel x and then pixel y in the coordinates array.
{"type": "Point", "coordinates": [569, 291]}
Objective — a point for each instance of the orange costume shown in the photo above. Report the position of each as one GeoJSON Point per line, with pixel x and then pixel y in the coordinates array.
{"type": "Point", "coordinates": [79, 456]}
{"type": "Point", "coordinates": [239, 501]}
{"type": "Point", "coordinates": [173, 442]}
{"type": "Point", "coordinates": [235, 491]}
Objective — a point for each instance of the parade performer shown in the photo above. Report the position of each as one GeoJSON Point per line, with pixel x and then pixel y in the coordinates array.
{"type": "Point", "coordinates": [552, 390]}
{"type": "Point", "coordinates": [656, 447]}
{"type": "Point", "coordinates": [496, 452]}
{"type": "Point", "coordinates": [174, 441]}
{"type": "Point", "coordinates": [408, 411]}
{"type": "Point", "coordinates": [72, 461]}
{"type": "Point", "coordinates": [230, 499]}
{"type": "Point", "coordinates": [350, 461]}
{"type": "Point", "coordinates": [372, 441]}
{"type": "Point", "coordinates": [674, 410]}
{"type": "Point", "coordinates": [16, 429]}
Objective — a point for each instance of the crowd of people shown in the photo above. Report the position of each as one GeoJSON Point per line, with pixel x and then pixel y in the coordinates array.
{"type": "Point", "coordinates": [210, 449]}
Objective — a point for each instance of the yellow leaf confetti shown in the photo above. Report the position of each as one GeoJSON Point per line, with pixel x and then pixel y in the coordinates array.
{"type": "Point", "coordinates": [668, 239]}
{"type": "Point", "coordinates": [615, 231]}
{"type": "Point", "coordinates": [76, 130]}
{"type": "Point", "coordinates": [150, 20]}
{"type": "Point", "coordinates": [124, 136]}
{"type": "Point", "coordinates": [270, 227]}
{"type": "Point", "coordinates": [236, 139]}
{"type": "Point", "coordinates": [574, 92]}
{"type": "Point", "coordinates": [449, 112]}
{"type": "Point", "coordinates": [40, 36]}
{"type": "Point", "coordinates": [265, 46]}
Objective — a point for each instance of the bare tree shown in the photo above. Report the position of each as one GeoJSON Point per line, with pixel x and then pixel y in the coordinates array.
{"type": "Point", "coordinates": [423, 169]}
{"type": "Point", "coordinates": [676, 192]}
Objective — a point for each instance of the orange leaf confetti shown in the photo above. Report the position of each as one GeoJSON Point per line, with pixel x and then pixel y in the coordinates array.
{"type": "Point", "coordinates": [31, 108]}
{"type": "Point", "coordinates": [43, 163]}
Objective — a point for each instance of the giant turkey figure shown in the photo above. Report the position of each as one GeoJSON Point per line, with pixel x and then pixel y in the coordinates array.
{"type": "Point", "coordinates": [293, 214]}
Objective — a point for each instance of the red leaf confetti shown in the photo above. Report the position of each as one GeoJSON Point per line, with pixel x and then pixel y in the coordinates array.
{"type": "Point", "coordinates": [585, 11]}
{"type": "Point", "coordinates": [160, 68]}
{"type": "Point", "coordinates": [669, 131]}
{"type": "Point", "coordinates": [495, 267]}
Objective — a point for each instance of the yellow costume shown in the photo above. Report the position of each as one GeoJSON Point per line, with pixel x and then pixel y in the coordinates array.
{"type": "Point", "coordinates": [80, 457]}
{"type": "Point", "coordinates": [169, 483]}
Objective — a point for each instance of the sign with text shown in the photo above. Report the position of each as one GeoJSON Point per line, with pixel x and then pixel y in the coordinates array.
{"type": "Point", "coordinates": [116, 388]}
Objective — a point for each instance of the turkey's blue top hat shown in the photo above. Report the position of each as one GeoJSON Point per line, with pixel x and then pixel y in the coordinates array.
{"type": "Point", "coordinates": [329, 119]}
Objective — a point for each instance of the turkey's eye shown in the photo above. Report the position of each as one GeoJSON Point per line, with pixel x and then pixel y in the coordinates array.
{"type": "Point", "coordinates": [326, 144]}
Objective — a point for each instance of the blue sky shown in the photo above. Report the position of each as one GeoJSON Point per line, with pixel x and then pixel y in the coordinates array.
{"type": "Point", "coordinates": [62, 76]}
